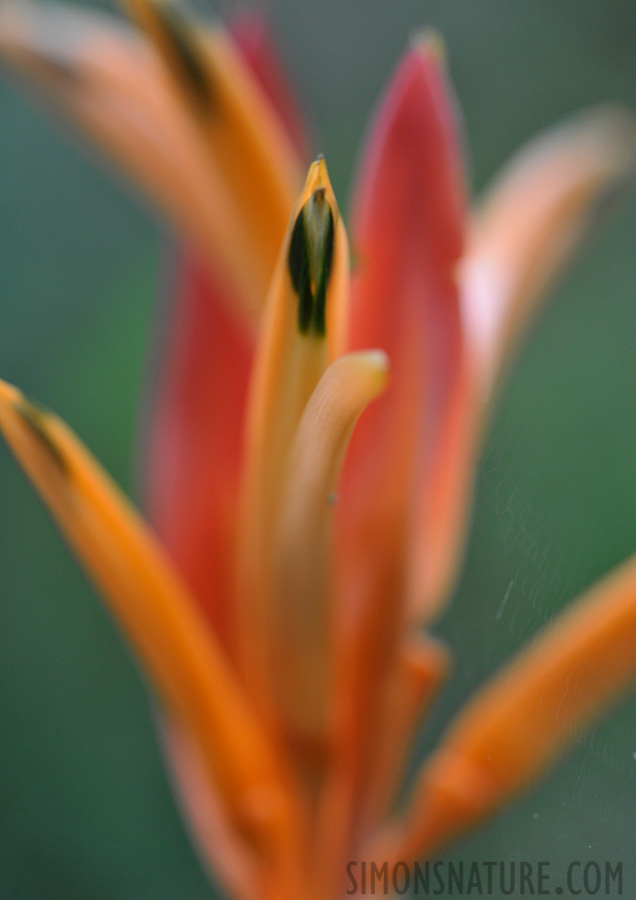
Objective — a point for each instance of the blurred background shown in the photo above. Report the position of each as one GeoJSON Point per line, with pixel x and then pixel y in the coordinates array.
{"type": "Point", "coordinates": [85, 807]}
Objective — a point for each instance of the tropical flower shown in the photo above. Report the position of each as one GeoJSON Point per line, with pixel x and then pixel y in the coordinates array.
{"type": "Point", "coordinates": [279, 596]}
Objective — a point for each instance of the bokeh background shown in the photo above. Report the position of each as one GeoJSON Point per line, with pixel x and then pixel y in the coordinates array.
{"type": "Point", "coordinates": [85, 807]}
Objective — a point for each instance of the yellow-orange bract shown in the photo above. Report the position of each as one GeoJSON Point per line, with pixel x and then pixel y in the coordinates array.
{"type": "Point", "coordinates": [294, 556]}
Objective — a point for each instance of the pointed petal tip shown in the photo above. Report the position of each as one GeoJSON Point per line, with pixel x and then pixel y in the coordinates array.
{"type": "Point", "coordinates": [612, 132]}
{"type": "Point", "coordinates": [416, 130]}
{"type": "Point", "coordinates": [317, 179]}
{"type": "Point", "coordinates": [10, 397]}
{"type": "Point", "coordinates": [16, 32]}
{"type": "Point", "coordinates": [7, 391]}
{"type": "Point", "coordinates": [429, 44]}
{"type": "Point", "coordinates": [425, 57]}
{"type": "Point", "coordinates": [600, 141]}
{"type": "Point", "coordinates": [32, 33]}
{"type": "Point", "coordinates": [318, 175]}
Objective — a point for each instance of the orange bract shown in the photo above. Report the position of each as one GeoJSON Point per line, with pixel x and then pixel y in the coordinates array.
{"type": "Point", "coordinates": [297, 552]}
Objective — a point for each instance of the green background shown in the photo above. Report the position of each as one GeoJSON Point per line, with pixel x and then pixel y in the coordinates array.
{"type": "Point", "coordinates": [85, 808]}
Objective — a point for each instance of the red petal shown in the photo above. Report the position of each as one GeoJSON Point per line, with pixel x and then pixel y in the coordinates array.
{"type": "Point", "coordinates": [408, 232]}
{"type": "Point", "coordinates": [407, 236]}
{"type": "Point", "coordinates": [195, 437]}
{"type": "Point", "coordinates": [254, 41]}
{"type": "Point", "coordinates": [195, 443]}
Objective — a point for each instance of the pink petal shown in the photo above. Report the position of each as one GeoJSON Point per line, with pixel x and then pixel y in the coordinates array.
{"type": "Point", "coordinates": [535, 215]}
{"type": "Point", "coordinates": [540, 209]}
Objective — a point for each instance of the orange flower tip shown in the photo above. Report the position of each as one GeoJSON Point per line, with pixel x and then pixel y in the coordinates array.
{"type": "Point", "coordinates": [602, 147]}
{"type": "Point", "coordinates": [311, 249]}
{"type": "Point", "coordinates": [34, 418]}
{"type": "Point", "coordinates": [430, 45]}
{"type": "Point", "coordinates": [8, 394]}
{"type": "Point", "coordinates": [164, 23]}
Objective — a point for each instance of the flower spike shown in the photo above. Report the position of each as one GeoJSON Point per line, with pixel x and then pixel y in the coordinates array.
{"type": "Point", "coordinates": [314, 508]}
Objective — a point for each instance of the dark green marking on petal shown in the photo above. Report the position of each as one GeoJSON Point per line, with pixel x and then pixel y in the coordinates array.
{"type": "Point", "coordinates": [320, 297]}
{"type": "Point", "coordinates": [36, 419]}
{"type": "Point", "coordinates": [298, 263]}
{"type": "Point", "coordinates": [310, 260]}
{"type": "Point", "coordinates": [184, 53]}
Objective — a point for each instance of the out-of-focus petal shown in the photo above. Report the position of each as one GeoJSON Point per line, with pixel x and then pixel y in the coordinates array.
{"type": "Point", "coordinates": [407, 235]}
{"type": "Point", "coordinates": [243, 135]}
{"type": "Point", "coordinates": [219, 844]}
{"type": "Point", "coordinates": [160, 619]}
{"type": "Point", "coordinates": [422, 667]}
{"type": "Point", "coordinates": [443, 501]}
{"type": "Point", "coordinates": [256, 46]}
{"type": "Point", "coordinates": [194, 443]}
{"type": "Point", "coordinates": [194, 447]}
{"type": "Point", "coordinates": [512, 730]}
{"type": "Point", "coordinates": [532, 219]}
{"type": "Point", "coordinates": [302, 618]}
{"type": "Point", "coordinates": [112, 84]}
{"type": "Point", "coordinates": [302, 332]}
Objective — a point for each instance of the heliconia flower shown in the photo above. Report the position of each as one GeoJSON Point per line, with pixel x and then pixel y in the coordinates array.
{"type": "Point", "coordinates": [277, 594]}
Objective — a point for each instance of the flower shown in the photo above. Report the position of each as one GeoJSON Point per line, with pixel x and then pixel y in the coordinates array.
{"type": "Point", "coordinates": [279, 611]}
